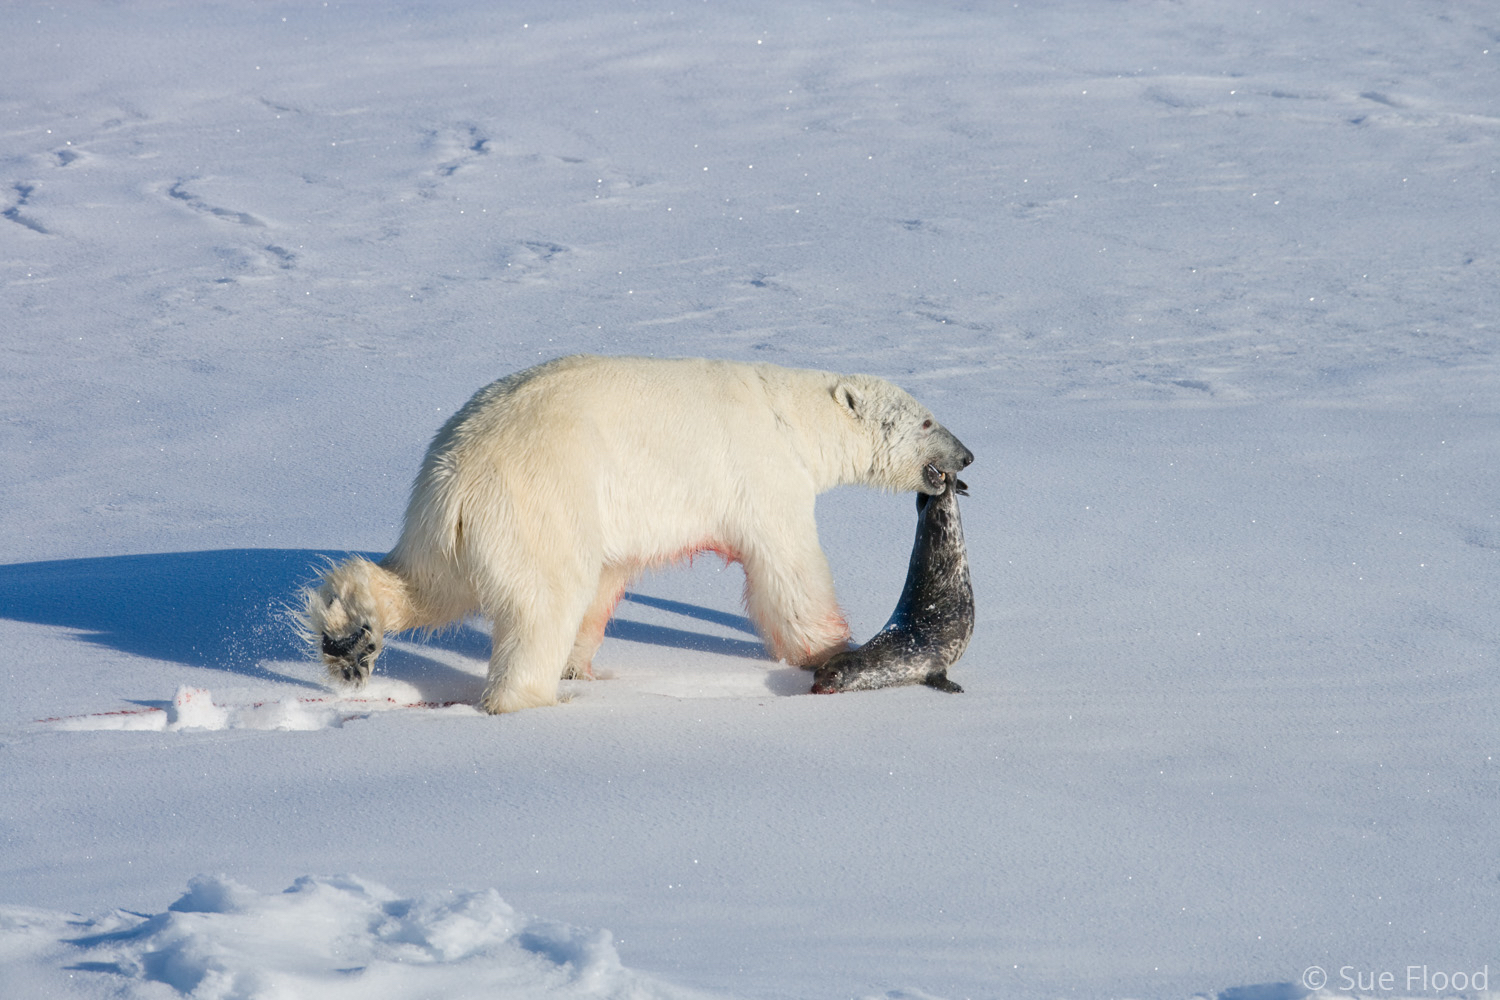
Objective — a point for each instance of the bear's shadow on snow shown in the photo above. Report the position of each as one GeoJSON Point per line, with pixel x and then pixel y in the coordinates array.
{"type": "Point", "coordinates": [661, 635]}
{"type": "Point", "coordinates": [231, 610]}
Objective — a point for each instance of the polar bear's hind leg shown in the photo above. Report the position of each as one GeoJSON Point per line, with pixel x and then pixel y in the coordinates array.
{"type": "Point", "coordinates": [525, 666]}
{"type": "Point", "coordinates": [536, 629]}
{"type": "Point", "coordinates": [612, 583]}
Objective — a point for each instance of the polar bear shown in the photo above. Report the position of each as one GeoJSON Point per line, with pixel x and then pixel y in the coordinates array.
{"type": "Point", "coordinates": [551, 489]}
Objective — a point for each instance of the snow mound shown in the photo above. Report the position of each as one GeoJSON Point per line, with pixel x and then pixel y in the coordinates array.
{"type": "Point", "coordinates": [326, 937]}
{"type": "Point", "coordinates": [194, 708]}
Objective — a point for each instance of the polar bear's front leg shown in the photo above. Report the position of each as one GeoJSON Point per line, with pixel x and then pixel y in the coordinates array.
{"type": "Point", "coordinates": [789, 595]}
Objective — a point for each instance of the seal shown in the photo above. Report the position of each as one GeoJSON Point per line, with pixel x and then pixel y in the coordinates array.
{"type": "Point", "coordinates": [933, 620]}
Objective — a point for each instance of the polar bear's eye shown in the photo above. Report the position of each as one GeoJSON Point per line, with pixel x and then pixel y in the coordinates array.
{"type": "Point", "coordinates": [927, 425]}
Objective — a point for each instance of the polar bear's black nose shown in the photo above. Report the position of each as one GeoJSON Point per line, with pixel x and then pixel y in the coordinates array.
{"type": "Point", "coordinates": [968, 459]}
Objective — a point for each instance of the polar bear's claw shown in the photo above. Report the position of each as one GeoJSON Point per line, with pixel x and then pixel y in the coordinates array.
{"type": "Point", "coordinates": [352, 656]}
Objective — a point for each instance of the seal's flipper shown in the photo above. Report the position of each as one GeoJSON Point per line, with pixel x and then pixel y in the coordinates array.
{"type": "Point", "coordinates": [942, 683]}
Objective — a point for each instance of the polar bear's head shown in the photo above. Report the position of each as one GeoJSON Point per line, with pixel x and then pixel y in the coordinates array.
{"type": "Point", "coordinates": [909, 449]}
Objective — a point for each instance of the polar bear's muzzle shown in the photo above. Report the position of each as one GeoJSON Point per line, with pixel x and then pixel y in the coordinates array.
{"type": "Point", "coordinates": [952, 457]}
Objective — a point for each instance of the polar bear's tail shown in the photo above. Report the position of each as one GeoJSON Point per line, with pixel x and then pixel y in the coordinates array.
{"type": "Point", "coordinates": [346, 616]}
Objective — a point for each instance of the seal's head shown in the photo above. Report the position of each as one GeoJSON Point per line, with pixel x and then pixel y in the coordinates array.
{"type": "Point", "coordinates": [940, 479]}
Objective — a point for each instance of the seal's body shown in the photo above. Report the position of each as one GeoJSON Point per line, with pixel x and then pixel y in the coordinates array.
{"type": "Point", "coordinates": [934, 619]}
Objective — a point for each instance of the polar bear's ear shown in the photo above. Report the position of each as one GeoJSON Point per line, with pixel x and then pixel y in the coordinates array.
{"type": "Point", "coordinates": [849, 398]}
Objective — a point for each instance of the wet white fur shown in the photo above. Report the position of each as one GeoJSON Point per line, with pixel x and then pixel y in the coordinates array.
{"type": "Point", "coordinates": [551, 489]}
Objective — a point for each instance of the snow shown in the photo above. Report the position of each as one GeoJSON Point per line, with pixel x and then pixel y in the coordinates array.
{"type": "Point", "coordinates": [340, 937]}
{"type": "Point", "coordinates": [1211, 291]}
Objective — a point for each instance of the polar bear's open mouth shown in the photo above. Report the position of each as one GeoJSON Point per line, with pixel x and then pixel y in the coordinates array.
{"type": "Point", "coordinates": [938, 479]}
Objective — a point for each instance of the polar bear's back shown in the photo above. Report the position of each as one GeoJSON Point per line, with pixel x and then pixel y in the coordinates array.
{"type": "Point", "coordinates": [652, 400]}
{"type": "Point", "coordinates": [635, 459]}
{"type": "Point", "coordinates": [624, 417]}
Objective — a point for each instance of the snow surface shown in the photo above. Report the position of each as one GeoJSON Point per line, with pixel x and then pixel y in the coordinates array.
{"type": "Point", "coordinates": [335, 938]}
{"type": "Point", "coordinates": [1211, 290]}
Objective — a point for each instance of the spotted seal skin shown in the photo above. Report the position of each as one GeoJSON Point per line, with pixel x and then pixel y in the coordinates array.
{"type": "Point", "coordinates": [933, 620]}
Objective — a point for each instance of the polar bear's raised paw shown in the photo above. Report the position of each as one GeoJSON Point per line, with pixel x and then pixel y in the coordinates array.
{"type": "Point", "coordinates": [346, 617]}
{"type": "Point", "coordinates": [351, 657]}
